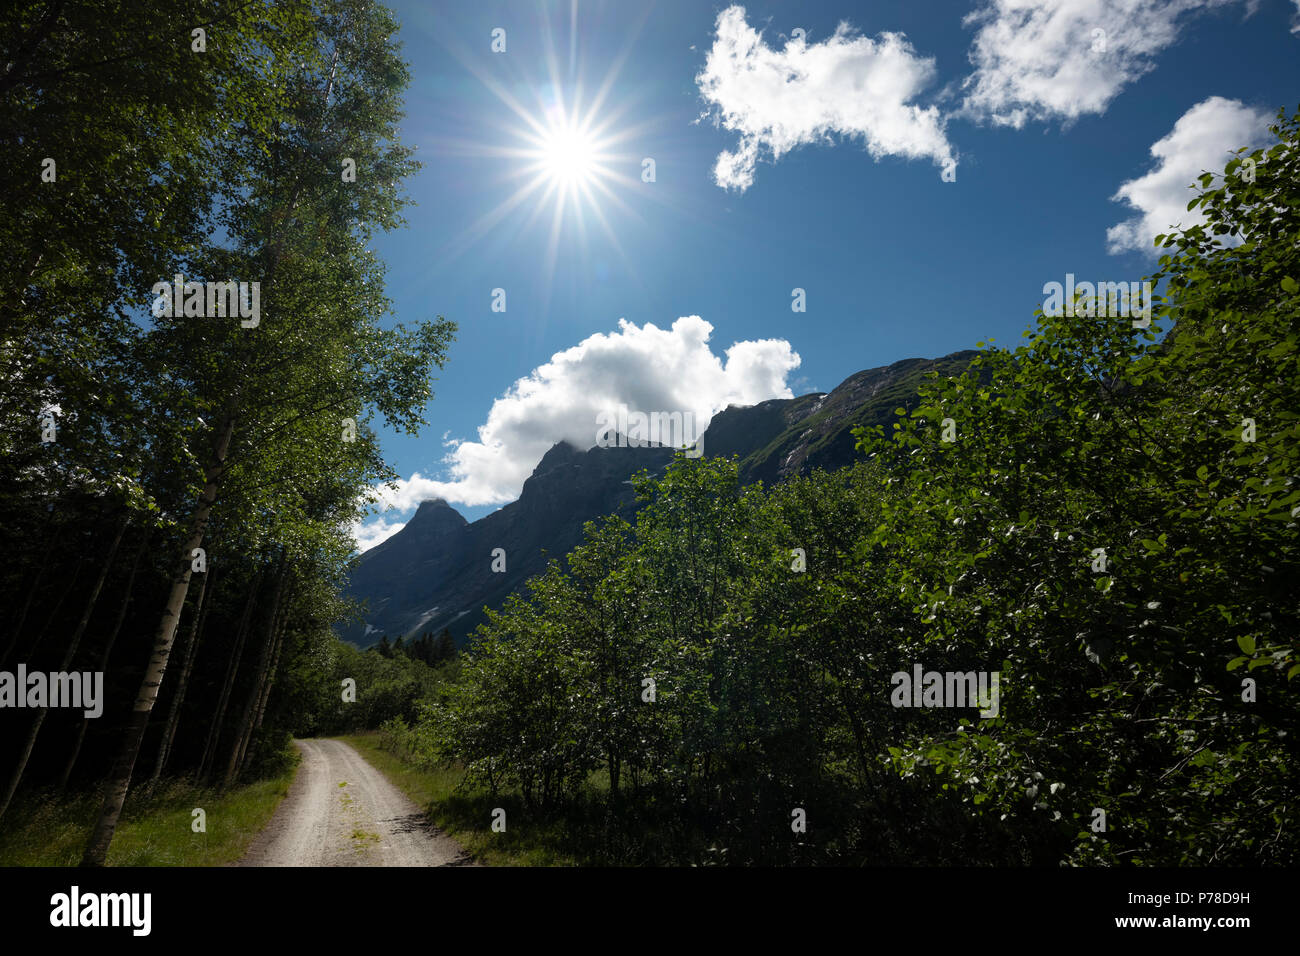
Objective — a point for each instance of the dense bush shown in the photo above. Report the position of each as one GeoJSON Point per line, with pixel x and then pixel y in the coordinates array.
{"type": "Point", "coordinates": [1111, 528]}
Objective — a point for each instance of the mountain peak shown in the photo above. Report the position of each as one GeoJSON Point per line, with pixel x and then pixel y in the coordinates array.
{"type": "Point", "coordinates": [561, 453]}
{"type": "Point", "coordinates": [438, 512]}
{"type": "Point", "coordinates": [434, 519]}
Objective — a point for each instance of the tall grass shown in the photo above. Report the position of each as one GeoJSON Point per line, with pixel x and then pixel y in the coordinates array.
{"type": "Point", "coordinates": [42, 829]}
{"type": "Point", "coordinates": [465, 813]}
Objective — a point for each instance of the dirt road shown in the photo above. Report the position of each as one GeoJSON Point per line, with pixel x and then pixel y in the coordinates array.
{"type": "Point", "coordinates": [341, 811]}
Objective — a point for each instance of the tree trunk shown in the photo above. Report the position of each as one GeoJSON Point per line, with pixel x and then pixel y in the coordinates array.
{"type": "Point", "coordinates": [232, 668]}
{"type": "Point", "coordinates": [115, 792]}
{"type": "Point", "coordinates": [68, 655]}
{"type": "Point", "coordinates": [188, 653]}
{"type": "Point", "coordinates": [275, 667]}
{"type": "Point", "coordinates": [252, 718]}
{"type": "Point", "coordinates": [103, 659]}
{"type": "Point", "coordinates": [31, 594]}
{"type": "Point", "coordinates": [266, 692]}
{"type": "Point", "coordinates": [246, 722]}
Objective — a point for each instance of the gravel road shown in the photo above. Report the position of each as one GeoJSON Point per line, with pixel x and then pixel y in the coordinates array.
{"type": "Point", "coordinates": [341, 811]}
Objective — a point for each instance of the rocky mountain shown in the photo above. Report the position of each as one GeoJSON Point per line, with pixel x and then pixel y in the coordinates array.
{"type": "Point", "coordinates": [437, 571]}
{"type": "Point", "coordinates": [784, 437]}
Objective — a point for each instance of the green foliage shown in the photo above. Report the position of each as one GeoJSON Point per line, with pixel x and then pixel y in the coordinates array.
{"type": "Point", "coordinates": [387, 689]}
{"type": "Point", "coordinates": [1118, 691]}
{"type": "Point", "coordinates": [223, 165]}
{"type": "Point", "coordinates": [1103, 534]}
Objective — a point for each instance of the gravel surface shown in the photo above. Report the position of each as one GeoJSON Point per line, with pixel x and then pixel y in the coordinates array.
{"type": "Point", "coordinates": [341, 811]}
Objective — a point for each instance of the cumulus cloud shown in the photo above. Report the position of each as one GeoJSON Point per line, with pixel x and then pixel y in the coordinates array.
{"type": "Point", "coordinates": [1062, 59]}
{"type": "Point", "coordinates": [368, 534]}
{"type": "Point", "coordinates": [1201, 141]}
{"type": "Point", "coordinates": [646, 369]}
{"type": "Point", "coordinates": [777, 99]}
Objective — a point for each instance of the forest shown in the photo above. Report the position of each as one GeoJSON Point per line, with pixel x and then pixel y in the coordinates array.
{"type": "Point", "coordinates": [175, 486]}
{"type": "Point", "coordinates": [1104, 516]}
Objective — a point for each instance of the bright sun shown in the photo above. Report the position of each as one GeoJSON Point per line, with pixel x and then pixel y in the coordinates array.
{"type": "Point", "coordinates": [568, 155]}
{"type": "Point", "coordinates": [569, 164]}
{"type": "Point", "coordinates": [574, 160]}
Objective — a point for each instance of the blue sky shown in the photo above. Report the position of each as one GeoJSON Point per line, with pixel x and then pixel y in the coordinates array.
{"type": "Point", "coordinates": [1045, 119]}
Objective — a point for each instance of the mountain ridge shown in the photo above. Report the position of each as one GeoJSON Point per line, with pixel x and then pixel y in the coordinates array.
{"type": "Point", "coordinates": [437, 571]}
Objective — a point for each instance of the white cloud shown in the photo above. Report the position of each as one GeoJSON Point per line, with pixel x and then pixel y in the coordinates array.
{"type": "Point", "coordinates": [1201, 141]}
{"type": "Point", "coordinates": [1062, 59]}
{"type": "Point", "coordinates": [1295, 20]}
{"type": "Point", "coordinates": [778, 99]}
{"type": "Point", "coordinates": [646, 368]}
{"type": "Point", "coordinates": [374, 532]}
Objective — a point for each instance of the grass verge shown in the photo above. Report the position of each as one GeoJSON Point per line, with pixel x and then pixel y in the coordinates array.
{"type": "Point", "coordinates": [465, 814]}
{"type": "Point", "coordinates": [156, 826]}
